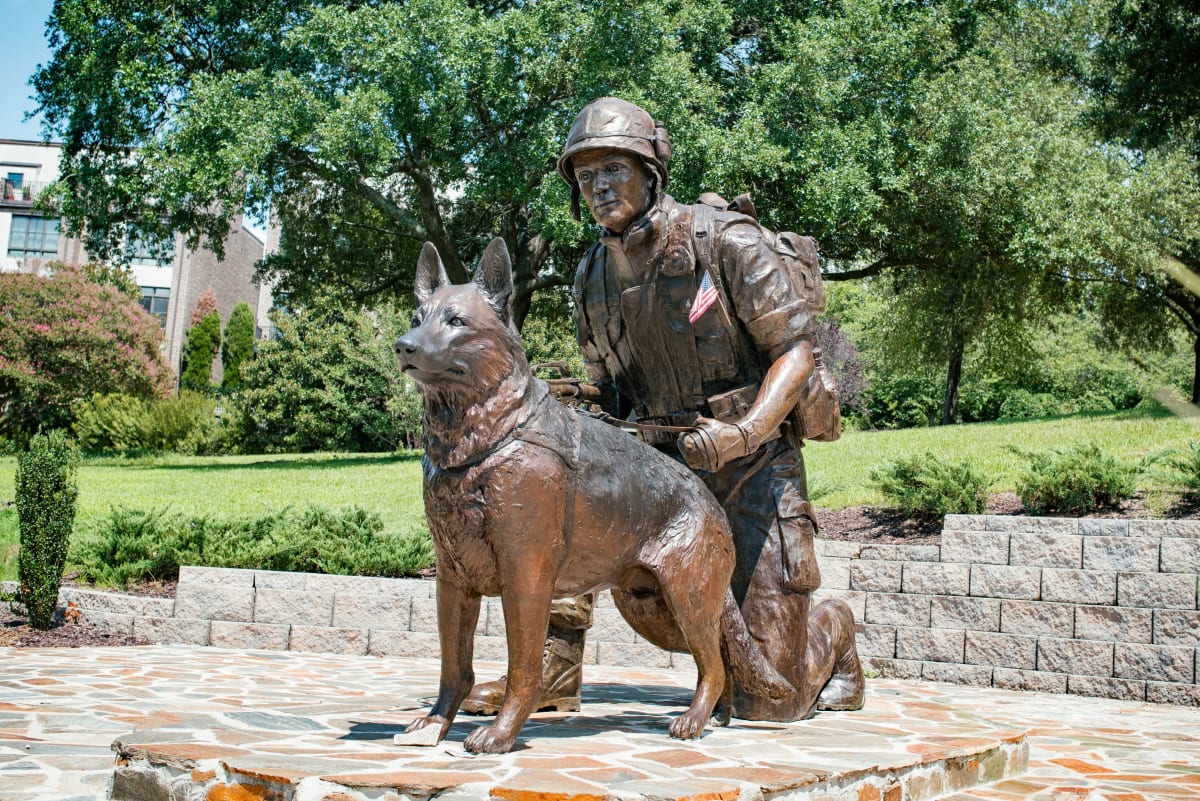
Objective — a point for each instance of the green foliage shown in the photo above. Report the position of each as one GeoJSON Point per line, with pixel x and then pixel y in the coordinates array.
{"type": "Point", "coordinates": [925, 485]}
{"type": "Point", "coordinates": [1182, 466]}
{"type": "Point", "coordinates": [46, 492]}
{"type": "Point", "coordinates": [199, 349]}
{"type": "Point", "coordinates": [1075, 480]}
{"type": "Point", "coordinates": [187, 423]}
{"type": "Point", "coordinates": [134, 544]}
{"type": "Point", "coordinates": [549, 333]}
{"type": "Point", "coordinates": [237, 347]}
{"type": "Point", "coordinates": [328, 380]}
{"type": "Point", "coordinates": [114, 275]}
{"type": "Point", "coordinates": [63, 338]}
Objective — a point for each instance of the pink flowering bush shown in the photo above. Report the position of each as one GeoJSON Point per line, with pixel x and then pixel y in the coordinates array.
{"type": "Point", "coordinates": [64, 338]}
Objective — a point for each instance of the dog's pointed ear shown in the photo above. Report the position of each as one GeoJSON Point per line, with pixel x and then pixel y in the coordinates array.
{"type": "Point", "coordinates": [431, 274]}
{"type": "Point", "coordinates": [493, 277]}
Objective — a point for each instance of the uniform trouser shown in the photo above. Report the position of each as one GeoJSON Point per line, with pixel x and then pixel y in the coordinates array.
{"type": "Point", "coordinates": [764, 496]}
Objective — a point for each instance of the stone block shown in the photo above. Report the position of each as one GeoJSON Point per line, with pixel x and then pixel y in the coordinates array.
{"type": "Point", "coordinates": [1037, 619]}
{"type": "Point", "coordinates": [918, 553]}
{"type": "Point", "coordinates": [331, 583]}
{"type": "Point", "coordinates": [876, 640]}
{"type": "Point", "coordinates": [1029, 680]}
{"type": "Point", "coordinates": [412, 587]}
{"type": "Point", "coordinates": [1001, 650]}
{"type": "Point", "coordinates": [279, 580]}
{"type": "Point", "coordinates": [1176, 627]}
{"type": "Point", "coordinates": [964, 522]}
{"type": "Point", "coordinates": [301, 608]}
{"type": "Point", "coordinates": [1158, 590]}
{"type": "Point", "coordinates": [894, 668]}
{"type": "Point", "coordinates": [930, 645]}
{"type": "Point", "coordinates": [1174, 694]}
{"type": "Point", "coordinates": [172, 630]}
{"type": "Point", "coordinates": [1032, 525]}
{"type": "Point", "coordinates": [974, 675]}
{"type": "Point", "coordinates": [1079, 586]}
{"type": "Point", "coordinates": [975, 547]}
{"type": "Point", "coordinates": [423, 616]}
{"type": "Point", "coordinates": [1113, 623]}
{"type": "Point", "coordinates": [387, 642]}
{"type": "Point", "coordinates": [118, 603]}
{"type": "Point", "coordinates": [1180, 556]}
{"type": "Point", "coordinates": [1186, 529]}
{"type": "Point", "coordinates": [326, 639]}
{"type": "Point", "coordinates": [875, 576]}
{"type": "Point", "coordinates": [887, 552]}
{"type": "Point", "coordinates": [1155, 662]}
{"type": "Point", "coordinates": [936, 578]}
{"type": "Point", "coordinates": [1096, 687]}
{"type": "Point", "coordinates": [1079, 657]}
{"type": "Point", "coordinates": [896, 610]}
{"type": "Point", "coordinates": [216, 576]}
{"type": "Point", "coordinates": [632, 654]}
{"type": "Point", "coordinates": [215, 602]}
{"type": "Point", "coordinates": [495, 649]}
{"type": "Point", "coordinates": [1045, 550]}
{"type": "Point", "coordinates": [835, 572]}
{"type": "Point", "coordinates": [1104, 528]}
{"type": "Point", "coordinates": [108, 622]}
{"type": "Point", "coordinates": [355, 611]}
{"type": "Point", "coordinates": [837, 548]}
{"type": "Point", "coordinates": [978, 614]}
{"type": "Point", "coordinates": [494, 611]}
{"type": "Point", "coordinates": [260, 636]}
{"type": "Point", "coordinates": [609, 626]}
{"type": "Point", "coordinates": [1002, 581]}
{"type": "Point", "coordinates": [1135, 554]}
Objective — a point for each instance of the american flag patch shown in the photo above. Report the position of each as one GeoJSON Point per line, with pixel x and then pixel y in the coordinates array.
{"type": "Point", "coordinates": [705, 297]}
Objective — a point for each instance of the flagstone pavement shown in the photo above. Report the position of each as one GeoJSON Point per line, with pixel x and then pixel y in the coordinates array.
{"type": "Point", "coordinates": [62, 709]}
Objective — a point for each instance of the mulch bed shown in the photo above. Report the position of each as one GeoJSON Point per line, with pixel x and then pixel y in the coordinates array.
{"type": "Point", "coordinates": [870, 524]}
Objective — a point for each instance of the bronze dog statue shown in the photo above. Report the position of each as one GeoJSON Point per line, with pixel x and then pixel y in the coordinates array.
{"type": "Point", "coordinates": [530, 500]}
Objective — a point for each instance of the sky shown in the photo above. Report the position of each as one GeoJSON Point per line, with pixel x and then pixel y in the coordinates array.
{"type": "Point", "coordinates": [23, 23]}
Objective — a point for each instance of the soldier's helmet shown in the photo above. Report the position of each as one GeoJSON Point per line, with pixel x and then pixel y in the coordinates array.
{"type": "Point", "coordinates": [616, 124]}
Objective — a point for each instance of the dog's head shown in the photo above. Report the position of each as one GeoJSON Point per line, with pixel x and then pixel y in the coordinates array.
{"type": "Point", "coordinates": [462, 335]}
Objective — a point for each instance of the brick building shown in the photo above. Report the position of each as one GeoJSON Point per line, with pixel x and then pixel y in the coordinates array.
{"type": "Point", "coordinates": [171, 278]}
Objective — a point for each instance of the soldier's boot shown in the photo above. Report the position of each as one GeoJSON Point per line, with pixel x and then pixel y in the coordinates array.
{"type": "Point", "coordinates": [562, 677]}
{"type": "Point", "coordinates": [846, 688]}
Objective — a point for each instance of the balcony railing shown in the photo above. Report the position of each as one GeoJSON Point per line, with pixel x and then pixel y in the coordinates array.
{"type": "Point", "coordinates": [23, 193]}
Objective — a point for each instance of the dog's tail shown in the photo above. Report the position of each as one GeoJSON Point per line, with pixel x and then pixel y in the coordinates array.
{"type": "Point", "coordinates": [746, 659]}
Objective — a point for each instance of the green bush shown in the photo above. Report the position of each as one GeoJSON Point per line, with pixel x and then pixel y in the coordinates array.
{"type": "Point", "coordinates": [1075, 480]}
{"type": "Point", "coordinates": [133, 544]}
{"type": "Point", "coordinates": [1183, 467]}
{"type": "Point", "coordinates": [238, 345]}
{"type": "Point", "coordinates": [187, 423]}
{"type": "Point", "coordinates": [46, 492]}
{"type": "Point", "coordinates": [927, 486]}
{"type": "Point", "coordinates": [200, 348]}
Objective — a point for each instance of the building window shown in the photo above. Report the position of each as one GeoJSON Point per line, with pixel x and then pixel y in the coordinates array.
{"type": "Point", "coordinates": [12, 185]}
{"type": "Point", "coordinates": [155, 300]}
{"type": "Point", "coordinates": [146, 250]}
{"type": "Point", "coordinates": [33, 237]}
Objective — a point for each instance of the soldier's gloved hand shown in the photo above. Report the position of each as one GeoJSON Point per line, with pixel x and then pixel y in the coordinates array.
{"type": "Point", "coordinates": [712, 445]}
{"type": "Point", "coordinates": [564, 388]}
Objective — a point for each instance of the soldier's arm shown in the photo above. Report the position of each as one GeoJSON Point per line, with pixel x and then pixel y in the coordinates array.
{"type": "Point", "coordinates": [780, 392]}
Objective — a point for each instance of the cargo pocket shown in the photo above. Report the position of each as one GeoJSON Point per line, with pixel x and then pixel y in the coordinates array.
{"type": "Point", "coordinates": [797, 527]}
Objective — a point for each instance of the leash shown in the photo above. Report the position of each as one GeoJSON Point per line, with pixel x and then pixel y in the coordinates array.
{"type": "Point", "coordinates": [605, 417]}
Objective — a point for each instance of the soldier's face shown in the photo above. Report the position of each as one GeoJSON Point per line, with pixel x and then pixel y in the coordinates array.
{"type": "Point", "coordinates": [616, 187]}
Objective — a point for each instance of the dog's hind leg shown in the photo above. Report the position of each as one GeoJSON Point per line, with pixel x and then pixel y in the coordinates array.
{"type": "Point", "coordinates": [458, 612]}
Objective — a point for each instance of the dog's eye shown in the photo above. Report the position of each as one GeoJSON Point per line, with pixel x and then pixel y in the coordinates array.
{"type": "Point", "coordinates": [457, 321]}
{"type": "Point", "coordinates": [415, 321]}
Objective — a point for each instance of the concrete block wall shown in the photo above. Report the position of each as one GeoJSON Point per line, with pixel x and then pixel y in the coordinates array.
{"type": "Point", "coordinates": [1089, 607]}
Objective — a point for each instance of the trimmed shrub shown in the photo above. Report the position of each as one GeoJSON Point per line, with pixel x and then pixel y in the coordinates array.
{"type": "Point", "coordinates": [188, 423]}
{"type": "Point", "coordinates": [1183, 467]}
{"type": "Point", "coordinates": [926, 486]}
{"type": "Point", "coordinates": [1075, 481]}
{"type": "Point", "coordinates": [46, 492]}
{"type": "Point", "coordinates": [199, 350]}
{"type": "Point", "coordinates": [237, 347]}
{"type": "Point", "coordinates": [133, 545]}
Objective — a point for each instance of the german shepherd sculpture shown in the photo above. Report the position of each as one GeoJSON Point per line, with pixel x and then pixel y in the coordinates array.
{"type": "Point", "coordinates": [530, 500]}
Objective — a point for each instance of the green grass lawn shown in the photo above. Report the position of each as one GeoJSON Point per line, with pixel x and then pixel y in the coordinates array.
{"type": "Point", "coordinates": [839, 472]}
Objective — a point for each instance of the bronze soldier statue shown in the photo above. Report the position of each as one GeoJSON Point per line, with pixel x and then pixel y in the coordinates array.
{"type": "Point", "coordinates": [687, 317]}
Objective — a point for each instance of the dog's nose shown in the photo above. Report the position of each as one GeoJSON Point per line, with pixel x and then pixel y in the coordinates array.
{"type": "Point", "coordinates": [405, 346]}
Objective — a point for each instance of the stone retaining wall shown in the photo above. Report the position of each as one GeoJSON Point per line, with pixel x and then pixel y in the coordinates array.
{"type": "Point", "coordinates": [1089, 607]}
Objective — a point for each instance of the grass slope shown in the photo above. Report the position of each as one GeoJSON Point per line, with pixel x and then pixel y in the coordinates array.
{"type": "Point", "coordinates": [839, 472]}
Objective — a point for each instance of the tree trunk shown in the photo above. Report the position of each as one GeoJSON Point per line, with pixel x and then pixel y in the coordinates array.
{"type": "Point", "coordinates": [953, 379]}
{"type": "Point", "coordinates": [1196, 372]}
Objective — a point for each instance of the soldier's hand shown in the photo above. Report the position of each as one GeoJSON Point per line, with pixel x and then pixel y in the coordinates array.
{"type": "Point", "coordinates": [564, 388]}
{"type": "Point", "coordinates": [712, 445]}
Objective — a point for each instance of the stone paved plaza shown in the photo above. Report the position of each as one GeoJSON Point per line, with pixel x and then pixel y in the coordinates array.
{"type": "Point", "coordinates": [229, 724]}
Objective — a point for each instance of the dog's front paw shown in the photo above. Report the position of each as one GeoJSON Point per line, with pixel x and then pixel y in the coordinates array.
{"type": "Point", "coordinates": [487, 740]}
{"type": "Point", "coordinates": [687, 726]}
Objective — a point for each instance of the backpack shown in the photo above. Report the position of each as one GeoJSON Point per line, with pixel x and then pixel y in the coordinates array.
{"type": "Point", "coordinates": [817, 415]}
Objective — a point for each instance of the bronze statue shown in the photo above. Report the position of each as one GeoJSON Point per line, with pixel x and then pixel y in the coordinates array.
{"type": "Point", "coordinates": [529, 500]}
{"type": "Point", "coordinates": [695, 317]}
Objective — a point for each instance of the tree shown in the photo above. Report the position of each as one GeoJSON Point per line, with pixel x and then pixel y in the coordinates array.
{"type": "Point", "coordinates": [62, 338]}
{"type": "Point", "coordinates": [203, 341]}
{"type": "Point", "coordinates": [237, 346]}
